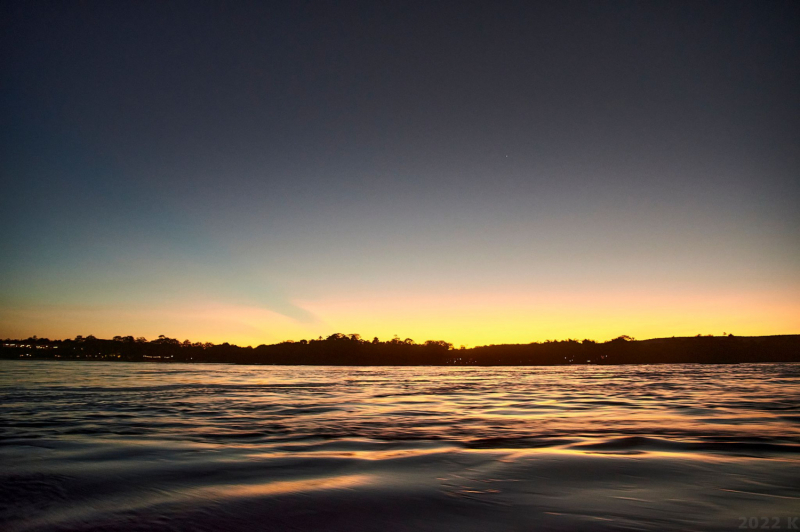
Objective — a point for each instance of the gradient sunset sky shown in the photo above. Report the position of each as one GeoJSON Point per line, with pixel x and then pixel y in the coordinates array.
{"type": "Point", "coordinates": [478, 172]}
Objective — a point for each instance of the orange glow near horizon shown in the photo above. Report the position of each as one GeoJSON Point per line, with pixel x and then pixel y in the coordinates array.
{"type": "Point", "coordinates": [464, 319]}
{"type": "Point", "coordinates": [481, 319]}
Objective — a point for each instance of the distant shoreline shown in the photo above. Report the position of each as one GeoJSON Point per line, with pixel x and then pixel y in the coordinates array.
{"type": "Point", "coordinates": [352, 350]}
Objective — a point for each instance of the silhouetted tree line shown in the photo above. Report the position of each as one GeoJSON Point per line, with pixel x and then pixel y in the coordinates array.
{"type": "Point", "coordinates": [342, 349]}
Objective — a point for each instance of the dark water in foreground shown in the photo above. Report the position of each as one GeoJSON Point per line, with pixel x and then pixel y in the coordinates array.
{"type": "Point", "coordinates": [99, 446]}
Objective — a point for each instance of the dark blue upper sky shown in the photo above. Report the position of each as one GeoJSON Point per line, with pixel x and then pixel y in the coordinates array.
{"type": "Point", "coordinates": [289, 156]}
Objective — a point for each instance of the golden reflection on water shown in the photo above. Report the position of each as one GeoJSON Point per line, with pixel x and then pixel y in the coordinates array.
{"type": "Point", "coordinates": [239, 448]}
{"type": "Point", "coordinates": [358, 455]}
{"type": "Point", "coordinates": [255, 406]}
{"type": "Point", "coordinates": [280, 487]}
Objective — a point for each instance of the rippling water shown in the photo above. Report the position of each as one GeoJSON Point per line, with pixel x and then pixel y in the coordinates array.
{"type": "Point", "coordinates": [95, 446]}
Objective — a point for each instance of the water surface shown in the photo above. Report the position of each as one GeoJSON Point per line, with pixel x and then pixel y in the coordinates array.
{"type": "Point", "coordinates": [137, 446]}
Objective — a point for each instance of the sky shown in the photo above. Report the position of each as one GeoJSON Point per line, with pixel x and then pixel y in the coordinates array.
{"type": "Point", "coordinates": [478, 172]}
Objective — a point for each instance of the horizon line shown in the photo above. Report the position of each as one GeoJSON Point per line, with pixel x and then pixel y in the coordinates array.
{"type": "Point", "coordinates": [342, 336]}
